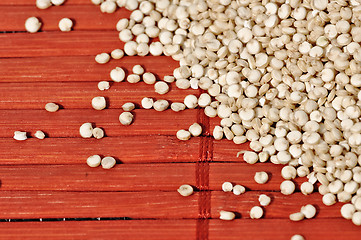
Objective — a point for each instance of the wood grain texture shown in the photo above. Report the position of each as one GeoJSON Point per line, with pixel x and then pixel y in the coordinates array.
{"type": "Point", "coordinates": [265, 229]}
{"type": "Point", "coordinates": [272, 229]}
{"type": "Point", "coordinates": [80, 177]}
{"type": "Point", "coordinates": [127, 149]}
{"type": "Point", "coordinates": [77, 68]}
{"type": "Point", "coordinates": [146, 122]}
{"type": "Point", "coordinates": [44, 204]}
{"type": "Point", "coordinates": [85, 17]}
{"type": "Point", "coordinates": [75, 43]}
{"type": "Point", "coordinates": [119, 229]}
{"type": "Point", "coordinates": [80, 94]}
{"type": "Point", "coordinates": [31, 2]}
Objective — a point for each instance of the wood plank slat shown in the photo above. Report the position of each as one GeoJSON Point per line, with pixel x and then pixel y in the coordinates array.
{"type": "Point", "coordinates": [77, 68]}
{"type": "Point", "coordinates": [80, 94]}
{"type": "Point", "coordinates": [80, 177]}
{"type": "Point", "coordinates": [119, 229]}
{"type": "Point", "coordinates": [282, 229]}
{"type": "Point", "coordinates": [85, 17]}
{"type": "Point", "coordinates": [50, 204]}
{"type": "Point", "coordinates": [247, 229]}
{"type": "Point", "coordinates": [32, 2]}
{"type": "Point", "coordinates": [281, 206]}
{"type": "Point", "coordinates": [66, 122]}
{"type": "Point", "coordinates": [42, 44]}
{"type": "Point", "coordinates": [127, 149]}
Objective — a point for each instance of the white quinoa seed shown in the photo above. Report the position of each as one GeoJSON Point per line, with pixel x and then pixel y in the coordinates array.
{"type": "Point", "coordinates": [147, 103]}
{"type": "Point", "coordinates": [102, 58]}
{"type": "Point", "coordinates": [20, 136]}
{"type": "Point", "coordinates": [86, 130]}
{"type": "Point", "coordinates": [226, 215]}
{"type": "Point", "coordinates": [185, 190]}
{"type": "Point", "coordinates": [32, 25]}
{"type": "Point", "coordinates": [98, 133]}
{"type": "Point", "coordinates": [108, 162]}
{"type": "Point", "coordinates": [65, 24]}
{"type": "Point", "coordinates": [39, 134]}
{"type": "Point", "coordinates": [99, 103]}
{"type": "Point", "coordinates": [256, 212]}
{"type": "Point", "coordinates": [126, 118]}
{"type": "Point", "coordinates": [51, 107]}
{"type": "Point", "coordinates": [128, 106]}
{"type": "Point", "coordinates": [195, 129]}
{"type": "Point", "coordinates": [93, 161]}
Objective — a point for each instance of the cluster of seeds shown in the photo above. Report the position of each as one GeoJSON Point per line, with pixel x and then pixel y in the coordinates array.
{"type": "Point", "coordinates": [86, 130]}
{"type": "Point", "coordinates": [256, 212]}
{"type": "Point", "coordinates": [282, 74]}
{"type": "Point", "coordinates": [33, 24]}
{"type": "Point", "coordinates": [96, 160]}
{"type": "Point", "coordinates": [22, 136]}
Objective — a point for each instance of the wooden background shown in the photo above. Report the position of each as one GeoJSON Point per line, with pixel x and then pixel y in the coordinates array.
{"type": "Point", "coordinates": [49, 179]}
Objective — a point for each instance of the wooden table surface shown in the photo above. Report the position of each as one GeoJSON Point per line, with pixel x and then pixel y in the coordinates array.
{"type": "Point", "coordinates": [48, 192]}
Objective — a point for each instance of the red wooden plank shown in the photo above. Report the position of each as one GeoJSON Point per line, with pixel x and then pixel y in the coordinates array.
{"type": "Point", "coordinates": [80, 94]}
{"type": "Point", "coordinates": [66, 122]}
{"type": "Point", "coordinates": [85, 17]}
{"type": "Point", "coordinates": [281, 206]}
{"type": "Point", "coordinates": [32, 2]}
{"type": "Point", "coordinates": [225, 150]}
{"type": "Point", "coordinates": [152, 204]}
{"type": "Point", "coordinates": [80, 177]}
{"type": "Point", "coordinates": [243, 174]}
{"type": "Point", "coordinates": [77, 68]}
{"type": "Point", "coordinates": [58, 43]}
{"type": "Point", "coordinates": [119, 229]}
{"type": "Point", "coordinates": [282, 229]}
{"type": "Point", "coordinates": [128, 149]}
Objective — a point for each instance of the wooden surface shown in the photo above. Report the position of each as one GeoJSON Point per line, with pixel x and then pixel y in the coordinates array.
{"type": "Point", "coordinates": [44, 182]}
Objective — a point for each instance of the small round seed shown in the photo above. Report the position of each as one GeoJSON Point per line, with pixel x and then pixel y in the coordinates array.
{"type": "Point", "coordinates": [117, 74]}
{"type": "Point", "coordinates": [147, 103]}
{"type": "Point", "coordinates": [287, 187]}
{"type": "Point", "coordinates": [347, 210]}
{"type": "Point", "coordinates": [99, 103]}
{"type": "Point", "coordinates": [261, 177]}
{"type": "Point", "coordinates": [128, 106]}
{"type": "Point", "coordinates": [86, 130]}
{"type": "Point", "coordinates": [264, 200]}
{"type": "Point", "coordinates": [177, 107]}
{"type": "Point", "coordinates": [126, 118]}
{"type": "Point", "coordinates": [161, 105]}
{"type": "Point", "coordinates": [297, 237]}
{"type": "Point", "coordinates": [102, 58]}
{"type": "Point", "coordinates": [307, 188]}
{"type": "Point", "coordinates": [329, 199]}
{"type": "Point", "coordinates": [161, 87]}
{"type": "Point", "coordinates": [133, 78]}
{"type": "Point", "coordinates": [297, 216]}
{"type": "Point", "coordinates": [32, 25]}
{"type": "Point", "coordinates": [356, 218]}
{"type": "Point", "coordinates": [256, 212]}
{"type": "Point", "coordinates": [183, 135]}
{"type": "Point", "coordinates": [39, 134]}
{"type": "Point", "coordinates": [51, 107]}
{"type": "Point", "coordinates": [137, 69]}
{"type": "Point", "coordinates": [185, 190]}
{"type": "Point", "coordinates": [103, 85]}
{"type": "Point", "coordinates": [250, 157]}
{"type": "Point", "coordinates": [149, 78]}
{"type": "Point", "coordinates": [117, 54]}
{"type": "Point", "coordinates": [227, 187]}
{"type": "Point", "coordinates": [57, 2]}
{"type": "Point", "coordinates": [93, 161]}
{"type": "Point", "coordinates": [238, 190]}
{"type": "Point", "coordinates": [65, 25]}
{"type": "Point", "coordinates": [191, 101]}
{"type": "Point", "coordinates": [309, 211]}
{"type": "Point", "coordinates": [195, 129]}
{"type": "Point", "coordinates": [43, 4]}
{"type": "Point", "coordinates": [98, 133]}
{"type": "Point", "coordinates": [226, 215]}
{"type": "Point", "coordinates": [20, 136]}
{"type": "Point", "coordinates": [108, 162]}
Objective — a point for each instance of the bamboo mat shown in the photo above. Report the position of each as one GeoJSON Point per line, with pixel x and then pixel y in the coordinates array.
{"type": "Point", "coordinates": [48, 192]}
